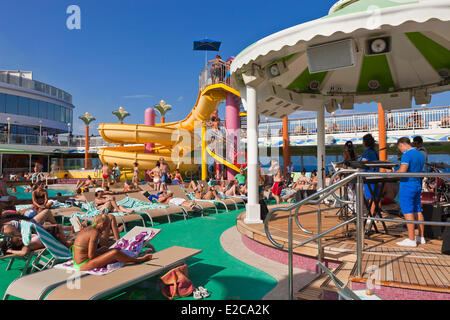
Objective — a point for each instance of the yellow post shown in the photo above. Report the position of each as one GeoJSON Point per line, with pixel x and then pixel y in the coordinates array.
{"type": "Point", "coordinates": [204, 154]}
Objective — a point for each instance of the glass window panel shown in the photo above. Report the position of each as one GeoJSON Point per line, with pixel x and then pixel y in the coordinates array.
{"type": "Point", "coordinates": [24, 106]}
{"type": "Point", "coordinates": [67, 115]}
{"type": "Point", "coordinates": [34, 108]}
{"type": "Point", "coordinates": [2, 102]}
{"type": "Point", "coordinates": [57, 112]}
{"type": "Point", "coordinates": [43, 110]}
{"type": "Point", "coordinates": [11, 104]}
{"type": "Point", "coordinates": [63, 114]}
{"type": "Point", "coordinates": [51, 111]}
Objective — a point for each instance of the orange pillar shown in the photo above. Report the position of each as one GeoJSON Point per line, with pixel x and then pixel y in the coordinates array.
{"type": "Point", "coordinates": [382, 132]}
{"type": "Point", "coordinates": [286, 150]}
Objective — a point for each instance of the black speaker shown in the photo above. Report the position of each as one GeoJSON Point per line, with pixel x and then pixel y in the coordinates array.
{"type": "Point", "coordinates": [446, 240]}
{"type": "Point", "coordinates": [433, 212]}
{"type": "Point", "coordinates": [264, 209]}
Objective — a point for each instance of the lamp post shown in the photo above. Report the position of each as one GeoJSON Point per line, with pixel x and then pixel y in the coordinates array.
{"type": "Point", "coordinates": [40, 132]}
{"type": "Point", "coordinates": [70, 135]}
{"type": "Point", "coordinates": [121, 114]}
{"type": "Point", "coordinates": [9, 129]}
{"type": "Point", "coordinates": [87, 119]}
{"type": "Point", "coordinates": [162, 109]}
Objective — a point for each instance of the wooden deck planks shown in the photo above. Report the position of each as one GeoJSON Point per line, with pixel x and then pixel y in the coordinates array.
{"type": "Point", "coordinates": [423, 266]}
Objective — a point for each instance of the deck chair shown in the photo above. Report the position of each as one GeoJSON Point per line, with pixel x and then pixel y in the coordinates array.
{"type": "Point", "coordinates": [224, 202]}
{"type": "Point", "coordinates": [58, 252]}
{"type": "Point", "coordinates": [123, 219]}
{"type": "Point", "coordinates": [166, 211]}
{"type": "Point", "coordinates": [204, 204]}
{"type": "Point", "coordinates": [237, 200]}
{"type": "Point", "coordinates": [344, 292]}
{"type": "Point", "coordinates": [35, 286]}
{"type": "Point", "coordinates": [52, 284]}
{"type": "Point", "coordinates": [171, 208]}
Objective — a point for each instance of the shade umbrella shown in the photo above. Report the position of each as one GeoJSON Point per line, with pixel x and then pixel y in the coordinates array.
{"type": "Point", "coordinates": [385, 51]}
{"type": "Point", "coordinates": [207, 45]}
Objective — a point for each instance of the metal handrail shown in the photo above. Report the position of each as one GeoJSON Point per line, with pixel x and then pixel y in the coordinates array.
{"type": "Point", "coordinates": [359, 175]}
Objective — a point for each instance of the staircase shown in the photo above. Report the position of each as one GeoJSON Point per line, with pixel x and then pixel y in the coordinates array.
{"type": "Point", "coordinates": [323, 288]}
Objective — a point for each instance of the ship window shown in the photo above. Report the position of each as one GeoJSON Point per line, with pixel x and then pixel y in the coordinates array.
{"type": "Point", "coordinates": [11, 104]}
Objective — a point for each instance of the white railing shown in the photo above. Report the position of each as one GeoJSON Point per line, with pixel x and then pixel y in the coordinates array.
{"type": "Point", "coordinates": [59, 141]}
{"type": "Point", "coordinates": [410, 119]}
{"type": "Point", "coordinates": [35, 85]}
{"type": "Point", "coordinates": [214, 73]}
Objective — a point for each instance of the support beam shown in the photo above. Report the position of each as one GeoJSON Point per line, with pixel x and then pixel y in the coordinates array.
{"type": "Point", "coordinates": [253, 212]}
{"type": "Point", "coordinates": [286, 143]}
{"type": "Point", "coordinates": [382, 133]}
{"type": "Point", "coordinates": [204, 154]}
{"type": "Point", "coordinates": [321, 148]}
{"type": "Point", "coordinates": [232, 125]}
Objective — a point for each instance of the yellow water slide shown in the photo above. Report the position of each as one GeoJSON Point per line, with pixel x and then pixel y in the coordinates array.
{"type": "Point", "coordinates": [176, 138]}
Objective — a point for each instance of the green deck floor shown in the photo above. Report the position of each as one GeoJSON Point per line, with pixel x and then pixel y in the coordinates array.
{"type": "Point", "coordinates": [225, 277]}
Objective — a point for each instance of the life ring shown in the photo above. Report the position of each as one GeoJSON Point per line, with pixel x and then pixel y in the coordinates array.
{"type": "Point", "coordinates": [236, 162]}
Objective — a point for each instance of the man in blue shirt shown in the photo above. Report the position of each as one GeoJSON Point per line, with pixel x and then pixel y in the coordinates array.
{"type": "Point", "coordinates": [410, 191]}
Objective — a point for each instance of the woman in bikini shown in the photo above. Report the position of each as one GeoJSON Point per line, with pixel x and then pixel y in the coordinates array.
{"type": "Point", "coordinates": [156, 171]}
{"type": "Point", "coordinates": [40, 198]}
{"type": "Point", "coordinates": [87, 256]}
{"type": "Point", "coordinates": [10, 225]}
{"type": "Point", "coordinates": [135, 175]}
{"type": "Point", "coordinates": [108, 203]}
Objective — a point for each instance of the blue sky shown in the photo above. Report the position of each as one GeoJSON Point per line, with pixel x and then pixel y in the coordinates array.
{"type": "Point", "coordinates": [135, 53]}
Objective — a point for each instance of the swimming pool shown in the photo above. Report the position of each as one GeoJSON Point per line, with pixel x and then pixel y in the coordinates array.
{"type": "Point", "coordinates": [22, 195]}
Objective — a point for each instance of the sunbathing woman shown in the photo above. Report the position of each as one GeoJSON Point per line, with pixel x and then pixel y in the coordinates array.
{"type": "Point", "coordinates": [86, 256]}
{"type": "Point", "coordinates": [210, 194]}
{"type": "Point", "coordinates": [40, 198]}
{"type": "Point", "coordinates": [167, 198]}
{"type": "Point", "coordinates": [128, 186]}
{"type": "Point", "coordinates": [108, 203]}
{"type": "Point", "coordinates": [11, 225]}
{"type": "Point", "coordinates": [86, 184]}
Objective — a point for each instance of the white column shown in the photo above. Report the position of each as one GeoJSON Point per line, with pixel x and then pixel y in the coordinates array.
{"type": "Point", "coordinates": [321, 147]}
{"type": "Point", "coordinates": [253, 214]}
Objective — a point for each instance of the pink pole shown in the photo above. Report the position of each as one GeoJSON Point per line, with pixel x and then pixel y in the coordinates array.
{"type": "Point", "coordinates": [149, 121]}
{"type": "Point", "coordinates": [233, 126]}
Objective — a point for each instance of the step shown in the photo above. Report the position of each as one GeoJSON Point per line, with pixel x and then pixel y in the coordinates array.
{"type": "Point", "coordinates": [342, 272]}
{"type": "Point", "coordinates": [312, 290]}
{"type": "Point", "coordinates": [315, 289]}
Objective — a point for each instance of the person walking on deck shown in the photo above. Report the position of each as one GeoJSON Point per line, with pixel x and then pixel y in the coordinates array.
{"type": "Point", "coordinates": [410, 191]}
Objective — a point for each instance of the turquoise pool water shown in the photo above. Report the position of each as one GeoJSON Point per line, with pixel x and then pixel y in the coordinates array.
{"type": "Point", "coordinates": [22, 195]}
